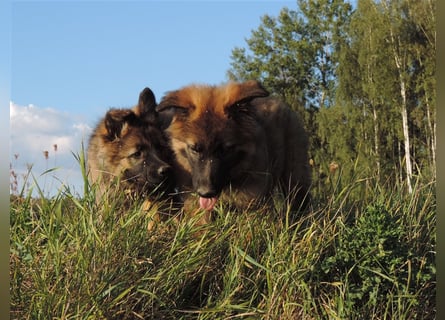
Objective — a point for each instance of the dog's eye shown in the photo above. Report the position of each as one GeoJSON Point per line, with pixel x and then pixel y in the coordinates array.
{"type": "Point", "coordinates": [136, 155]}
{"type": "Point", "coordinates": [195, 148]}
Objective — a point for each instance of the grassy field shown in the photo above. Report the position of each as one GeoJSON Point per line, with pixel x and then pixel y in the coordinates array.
{"type": "Point", "coordinates": [364, 251]}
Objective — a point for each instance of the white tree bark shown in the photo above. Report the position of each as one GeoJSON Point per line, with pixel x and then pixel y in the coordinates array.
{"type": "Point", "coordinates": [404, 111]}
{"type": "Point", "coordinates": [400, 65]}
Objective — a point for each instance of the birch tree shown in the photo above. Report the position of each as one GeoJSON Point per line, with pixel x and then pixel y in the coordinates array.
{"type": "Point", "coordinates": [363, 80]}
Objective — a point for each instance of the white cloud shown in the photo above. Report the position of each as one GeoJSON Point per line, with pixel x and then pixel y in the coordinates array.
{"type": "Point", "coordinates": [35, 130]}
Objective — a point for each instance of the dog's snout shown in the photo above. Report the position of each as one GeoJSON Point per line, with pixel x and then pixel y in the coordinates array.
{"type": "Point", "coordinates": [164, 170]}
{"type": "Point", "coordinates": [206, 192]}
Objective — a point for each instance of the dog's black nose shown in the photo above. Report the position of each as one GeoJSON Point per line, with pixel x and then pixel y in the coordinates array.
{"type": "Point", "coordinates": [206, 192]}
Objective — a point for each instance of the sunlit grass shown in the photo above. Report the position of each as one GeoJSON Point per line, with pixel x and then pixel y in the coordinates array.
{"type": "Point", "coordinates": [67, 263]}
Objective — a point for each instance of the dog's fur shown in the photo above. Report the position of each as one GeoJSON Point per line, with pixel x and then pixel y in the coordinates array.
{"type": "Point", "coordinates": [235, 143]}
{"type": "Point", "coordinates": [128, 150]}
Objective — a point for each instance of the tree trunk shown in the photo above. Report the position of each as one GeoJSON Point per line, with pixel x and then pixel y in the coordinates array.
{"type": "Point", "coordinates": [432, 137]}
{"type": "Point", "coordinates": [401, 67]}
{"type": "Point", "coordinates": [376, 140]}
{"type": "Point", "coordinates": [409, 168]}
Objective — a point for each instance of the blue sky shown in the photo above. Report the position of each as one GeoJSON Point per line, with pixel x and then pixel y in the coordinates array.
{"type": "Point", "coordinates": [85, 56]}
{"type": "Point", "coordinates": [71, 61]}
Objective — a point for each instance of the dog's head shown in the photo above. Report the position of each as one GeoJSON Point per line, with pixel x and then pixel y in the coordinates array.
{"type": "Point", "coordinates": [137, 149]}
{"type": "Point", "coordinates": [212, 132]}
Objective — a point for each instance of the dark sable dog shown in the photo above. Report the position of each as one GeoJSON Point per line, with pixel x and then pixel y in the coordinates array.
{"type": "Point", "coordinates": [234, 143]}
{"type": "Point", "coordinates": [128, 148]}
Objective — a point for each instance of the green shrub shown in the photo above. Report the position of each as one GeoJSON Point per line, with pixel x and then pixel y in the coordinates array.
{"type": "Point", "coordinates": [375, 260]}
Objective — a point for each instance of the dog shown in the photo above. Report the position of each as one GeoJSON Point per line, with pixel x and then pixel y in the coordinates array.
{"type": "Point", "coordinates": [128, 152]}
{"type": "Point", "coordinates": [236, 143]}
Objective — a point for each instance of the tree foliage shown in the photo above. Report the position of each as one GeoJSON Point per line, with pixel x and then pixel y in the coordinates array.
{"type": "Point", "coordinates": [362, 78]}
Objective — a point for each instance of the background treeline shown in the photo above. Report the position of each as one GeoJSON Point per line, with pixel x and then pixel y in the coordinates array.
{"type": "Point", "coordinates": [363, 79]}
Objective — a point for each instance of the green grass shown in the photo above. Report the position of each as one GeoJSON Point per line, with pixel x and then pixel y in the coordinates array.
{"type": "Point", "coordinates": [365, 251]}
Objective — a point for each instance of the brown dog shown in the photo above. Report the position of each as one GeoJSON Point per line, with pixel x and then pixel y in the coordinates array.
{"type": "Point", "coordinates": [129, 150]}
{"type": "Point", "coordinates": [235, 143]}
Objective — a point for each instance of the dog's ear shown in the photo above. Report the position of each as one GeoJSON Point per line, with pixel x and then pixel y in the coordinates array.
{"type": "Point", "coordinates": [146, 106]}
{"type": "Point", "coordinates": [116, 122]}
{"type": "Point", "coordinates": [245, 92]}
{"type": "Point", "coordinates": [250, 90]}
{"type": "Point", "coordinates": [170, 105]}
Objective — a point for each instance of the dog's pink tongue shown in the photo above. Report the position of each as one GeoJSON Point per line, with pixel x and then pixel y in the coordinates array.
{"type": "Point", "coordinates": [207, 203]}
